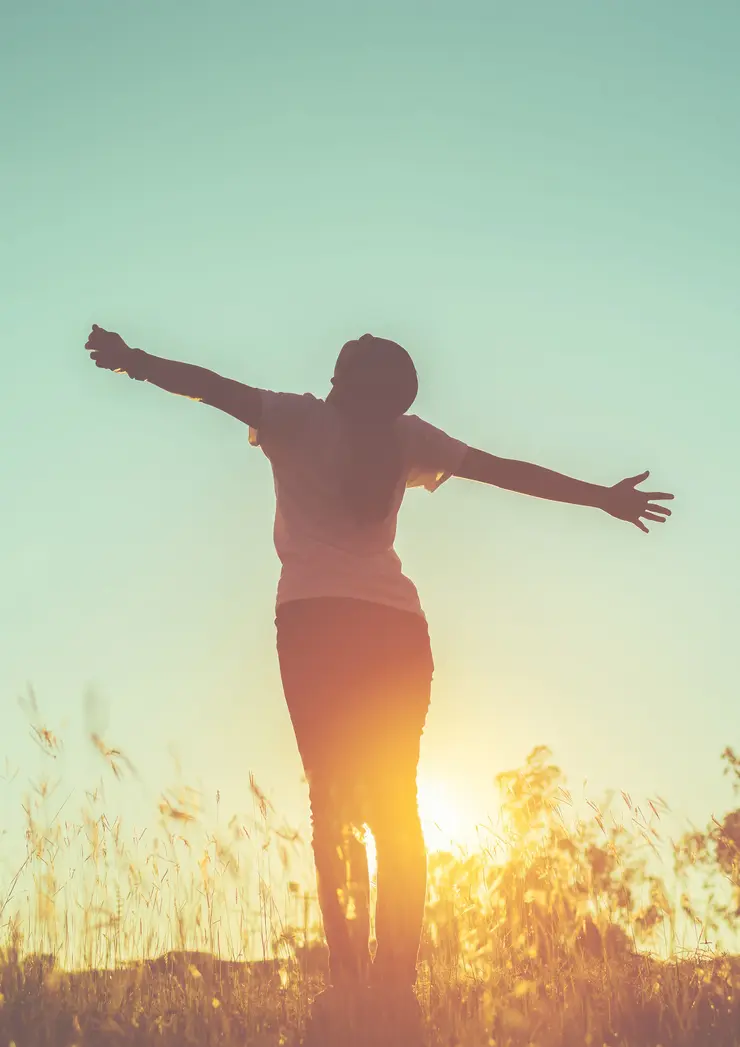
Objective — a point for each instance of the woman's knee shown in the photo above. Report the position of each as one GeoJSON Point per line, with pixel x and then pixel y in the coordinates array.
{"type": "Point", "coordinates": [332, 814]}
{"type": "Point", "coordinates": [396, 818]}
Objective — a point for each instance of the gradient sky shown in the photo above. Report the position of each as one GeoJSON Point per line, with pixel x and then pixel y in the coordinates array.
{"type": "Point", "coordinates": [542, 202]}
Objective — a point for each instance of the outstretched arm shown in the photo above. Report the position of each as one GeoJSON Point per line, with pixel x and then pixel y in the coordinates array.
{"type": "Point", "coordinates": [622, 500]}
{"type": "Point", "coordinates": [109, 351]}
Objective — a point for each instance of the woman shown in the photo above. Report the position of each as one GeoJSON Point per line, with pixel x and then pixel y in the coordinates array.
{"type": "Point", "coordinates": [352, 638]}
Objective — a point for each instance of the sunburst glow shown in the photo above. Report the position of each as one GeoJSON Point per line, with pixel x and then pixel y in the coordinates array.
{"type": "Point", "coordinates": [441, 819]}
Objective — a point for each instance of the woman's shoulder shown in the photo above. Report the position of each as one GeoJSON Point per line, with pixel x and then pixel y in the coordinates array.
{"type": "Point", "coordinates": [410, 423]}
{"type": "Point", "coordinates": [284, 417]}
{"type": "Point", "coordinates": [304, 400]}
{"type": "Point", "coordinates": [290, 405]}
{"type": "Point", "coordinates": [413, 427]}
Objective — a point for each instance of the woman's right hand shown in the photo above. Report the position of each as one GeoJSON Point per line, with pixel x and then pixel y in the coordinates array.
{"type": "Point", "coordinates": [110, 352]}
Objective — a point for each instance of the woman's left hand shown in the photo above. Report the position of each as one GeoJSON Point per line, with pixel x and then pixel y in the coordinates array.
{"type": "Point", "coordinates": [625, 502]}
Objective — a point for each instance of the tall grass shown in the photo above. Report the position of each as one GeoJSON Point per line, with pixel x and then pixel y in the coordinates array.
{"type": "Point", "coordinates": [559, 930]}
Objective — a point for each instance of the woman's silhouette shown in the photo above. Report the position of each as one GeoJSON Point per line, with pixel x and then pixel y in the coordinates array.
{"type": "Point", "coordinates": [352, 638]}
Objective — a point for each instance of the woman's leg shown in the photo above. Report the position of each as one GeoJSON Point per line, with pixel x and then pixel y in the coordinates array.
{"type": "Point", "coordinates": [315, 648]}
{"type": "Point", "coordinates": [342, 877]}
{"type": "Point", "coordinates": [402, 864]}
{"type": "Point", "coordinates": [402, 872]}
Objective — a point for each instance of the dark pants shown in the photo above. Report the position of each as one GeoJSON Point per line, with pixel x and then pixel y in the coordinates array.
{"type": "Point", "coordinates": [357, 679]}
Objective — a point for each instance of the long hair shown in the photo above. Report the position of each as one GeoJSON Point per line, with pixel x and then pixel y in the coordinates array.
{"type": "Point", "coordinates": [374, 383]}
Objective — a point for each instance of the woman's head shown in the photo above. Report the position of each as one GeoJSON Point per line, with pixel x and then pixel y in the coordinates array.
{"type": "Point", "coordinates": [374, 383]}
{"type": "Point", "coordinates": [374, 377]}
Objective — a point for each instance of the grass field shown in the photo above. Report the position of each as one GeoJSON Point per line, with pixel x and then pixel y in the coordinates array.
{"type": "Point", "coordinates": [564, 931]}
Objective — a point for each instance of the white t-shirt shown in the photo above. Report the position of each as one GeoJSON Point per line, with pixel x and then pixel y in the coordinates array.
{"type": "Point", "coordinates": [324, 551]}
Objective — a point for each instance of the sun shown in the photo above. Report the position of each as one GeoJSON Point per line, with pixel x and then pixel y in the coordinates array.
{"type": "Point", "coordinates": [441, 819]}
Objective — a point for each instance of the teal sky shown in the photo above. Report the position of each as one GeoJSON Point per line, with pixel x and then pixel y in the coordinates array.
{"type": "Point", "coordinates": [542, 202]}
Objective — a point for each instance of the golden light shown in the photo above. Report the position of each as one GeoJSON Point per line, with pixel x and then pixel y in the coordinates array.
{"type": "Point", "coordinates": [442, 821]}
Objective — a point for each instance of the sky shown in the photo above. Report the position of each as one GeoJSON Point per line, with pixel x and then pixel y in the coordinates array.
{"type": "Point", "coordinates": [542, 203]}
